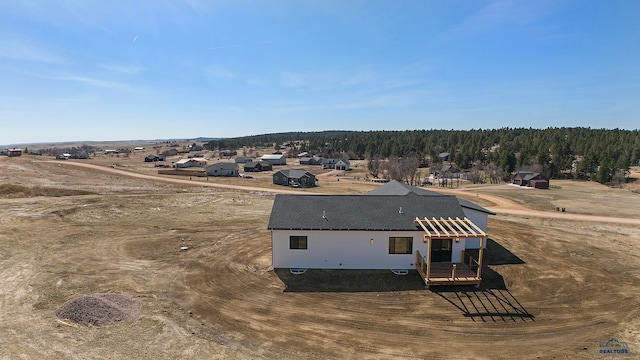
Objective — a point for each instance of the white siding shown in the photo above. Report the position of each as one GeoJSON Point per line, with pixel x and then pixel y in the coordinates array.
{"type": "Point", "coordinates": [481, 220]}
{"type": "Point", "coordinates": [349, 250]}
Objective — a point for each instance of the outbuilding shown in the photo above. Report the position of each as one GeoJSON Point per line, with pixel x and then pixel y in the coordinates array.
{"type": "Point", "coordinates": [14, 152]}
{"type": "Point", "coordinates": [275, 159]}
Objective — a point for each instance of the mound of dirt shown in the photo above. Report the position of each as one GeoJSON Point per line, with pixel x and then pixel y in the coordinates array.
{"type": "Point", "coordinates": [100, 309]}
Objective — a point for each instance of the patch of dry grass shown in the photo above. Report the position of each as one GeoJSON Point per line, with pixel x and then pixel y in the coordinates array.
{"type": "Point", "coordinates": [20, 191]}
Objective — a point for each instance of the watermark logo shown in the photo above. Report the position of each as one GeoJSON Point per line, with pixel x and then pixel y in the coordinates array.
{"type": "Point", "coordinates": [614, 347]}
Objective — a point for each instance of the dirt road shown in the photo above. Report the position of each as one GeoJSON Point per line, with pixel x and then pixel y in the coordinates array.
{"type": "Point", "coordinates": [115, 170]}
{"type": "Point", "coordinates": [502, 205]}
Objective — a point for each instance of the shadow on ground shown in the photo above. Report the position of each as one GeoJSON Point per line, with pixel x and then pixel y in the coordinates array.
{"type": "Point", "coordinates": [323, 280]}
{"type": "Point", "coordinates": [496, 254]}
{"type": "Point", "coordinates": [485, 304]}
{"type": "Point", "coordinates": [491, 301]}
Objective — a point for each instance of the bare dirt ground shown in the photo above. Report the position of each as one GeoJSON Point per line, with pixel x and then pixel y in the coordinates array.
{"type": "Point", "coordinates": [553, 287]}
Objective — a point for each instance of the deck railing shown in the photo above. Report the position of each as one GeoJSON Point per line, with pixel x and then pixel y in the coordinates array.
{"type": "Point", "coordinates": [469, 259]}
{"type": "Point", "coordinates": [442, 276]}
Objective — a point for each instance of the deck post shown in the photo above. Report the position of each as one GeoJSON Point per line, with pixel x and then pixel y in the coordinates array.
{"type": "Point", "coordinates": [480, 257]}
{"type": "Point", "coordinates": [428, 259]}
{"type": "Point", "coordinates": [453, 272]}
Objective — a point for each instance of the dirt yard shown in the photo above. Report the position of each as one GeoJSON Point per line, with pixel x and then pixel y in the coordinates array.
{"type": "Point", "coordinates": [553, 287]}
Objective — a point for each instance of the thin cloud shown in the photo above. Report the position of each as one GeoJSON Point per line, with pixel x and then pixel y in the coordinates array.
{"type": "Point", "coordinates": [123, 69]}
{"type": "Point", "coordinates": [215, 72]}
{"type": "Point", "coordinates": [225, 47]}
{"type": "Point", "coordinates": [92, 82]}
{"type": "Point", "coordinates": [18, 48]}
{"type": "Point", "coordinates": [500, 13]}
{"type": "Point", "coordinates": [264, 42]}
{"type": "Point", "coordinates": [241, 45]}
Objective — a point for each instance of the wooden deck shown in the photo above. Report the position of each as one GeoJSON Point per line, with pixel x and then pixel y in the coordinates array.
{"type": "Point", "coordinates": [443, 274]}
{"type": "Point", "coordinates": [447, 273]}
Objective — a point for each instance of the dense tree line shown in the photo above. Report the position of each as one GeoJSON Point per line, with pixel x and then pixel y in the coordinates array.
{"type": "Point", "coordinates": [597, 154]}
{"type": "Point", "coordinates": [73, 150]}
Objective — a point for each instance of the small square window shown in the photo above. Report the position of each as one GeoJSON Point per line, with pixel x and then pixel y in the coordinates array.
{"type": "Point", "coordinates": [298, 242]}
{"type": "Point", "coordinates": [400, 245]}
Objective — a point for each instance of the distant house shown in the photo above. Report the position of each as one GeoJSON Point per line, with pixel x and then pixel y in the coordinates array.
{"type": "Point", "coordinates": [170, 152]}
{"type": "Point", "coordinates": [14, 152]}
{"type": "Point", "coordinates": [275, 159]}
{"type": "Point", "coordinates": [337, 164]}
{"type": "Point", "coordinates": [223, 169]}
{"type": "Point", "coordinates": [531, 179]}
{"type": "Point", "coordinates": [303, 154]}
{"type": "Point", "coordinates": [110, 151]}
{"type": "Point", "coordinates": [294, 178]}
{"type": "Point", "coordinates": [79, 155]}
{"type": "Point", "coordinates": [187, 163]}
{"type": "Point", "coordinates": [257, 166]}
{"type": "Point", "coordinates": [153, 158]}
{"type": "Point", "coordinates": [139, 148]}
{"type": "Point", "coordinates": [444, 156]}
{"type": "Point", "coordinates": [228, 153]}
{"type": "Point", "coordinates": [310, 160]}
{"type": "Point", "coordinates": [243, 160]}
{"type": "Point", "coordinates": [447, 170]}
{"type": "Point", "coordinates": [343, 165]}
{"type": "Point", "coordinates": [329, 163]}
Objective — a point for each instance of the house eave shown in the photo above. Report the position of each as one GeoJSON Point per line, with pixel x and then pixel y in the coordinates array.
{"type": "Point", "coordinates": [340, 229]}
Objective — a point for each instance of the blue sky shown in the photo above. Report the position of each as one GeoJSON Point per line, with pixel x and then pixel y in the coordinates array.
{"type": "Point", "coordinates": [116, 70]}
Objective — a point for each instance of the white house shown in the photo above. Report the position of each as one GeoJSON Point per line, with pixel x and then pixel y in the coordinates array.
{"type": "Point", "coordinates": [400, 232]}
{"type": "Point", "coordinates": [187, 163]}
{"type": "Point", "coordinates": [275, 159]}
{"type": "Point", "coordinates": [222, 169]}
{"type": "Point", "coordinates": [343, 164]}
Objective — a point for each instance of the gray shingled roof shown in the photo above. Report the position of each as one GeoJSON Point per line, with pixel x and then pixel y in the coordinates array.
{"type": "Point", "coordinates": [359, 212]}
{"type": "Point", "coordinates": [294, 173]}
{"type": "Point", "coordinates": [394, 187]}
{"type": "Point", "coordinates": [527, 175]}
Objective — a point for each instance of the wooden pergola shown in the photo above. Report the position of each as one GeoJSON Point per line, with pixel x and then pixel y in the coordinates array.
{"type": "Point", "coordinates": [449, 229]}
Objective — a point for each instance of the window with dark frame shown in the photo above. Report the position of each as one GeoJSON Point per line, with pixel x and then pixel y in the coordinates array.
{"type": "Point", "coordinates": [400, 245]}
{"type": "Point", "coordinates": [298, 242]}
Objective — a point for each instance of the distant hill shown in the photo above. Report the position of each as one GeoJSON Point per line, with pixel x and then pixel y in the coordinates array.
{"type": "Point", "coordinates": [204, 139]}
